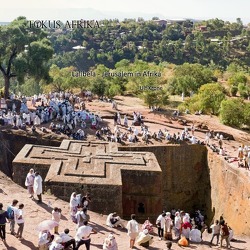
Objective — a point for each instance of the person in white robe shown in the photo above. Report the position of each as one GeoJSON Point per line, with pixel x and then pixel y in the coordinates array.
{"type": "Point", "coordinates": [73, 204]}
{"type": "Point", "coordinates": [125, 121]}
{"type": "Point", "coordinates": [38, 188]}
{"type": "Point", "coordinates": [113, 220]}
{"type": "Point", "coordinates": [29, 182]}
{"type": "Point", "coordinates": [195, 235]}
{"type": "Point", "coordinates": [110, 243]}
{"type": "Point", "coordinates": [144, 239]}
{"type": "Point", "coordinates": [37, 120]}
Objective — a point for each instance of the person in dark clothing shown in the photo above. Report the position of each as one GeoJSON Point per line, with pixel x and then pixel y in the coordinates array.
{"type": "Point", "coordinates": [3, 217]}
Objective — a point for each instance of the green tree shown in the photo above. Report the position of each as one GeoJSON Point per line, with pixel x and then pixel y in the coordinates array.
{"type": "Point", "coordinates": [247, 114]}
{"type": "Point", "coordinates": [23, 50]}
{"type": "Point", "coordinates": [158, 98]}
{"type": "Point", "coordinates": [61, 78]}
{"type": "Point", "coordinates": [232, 112]}
{"type": "Point", "coordinates": [211, 95]}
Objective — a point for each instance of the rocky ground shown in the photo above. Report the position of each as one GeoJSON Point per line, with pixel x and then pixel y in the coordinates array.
{"type": "Point", "coordinates": [35, 213]}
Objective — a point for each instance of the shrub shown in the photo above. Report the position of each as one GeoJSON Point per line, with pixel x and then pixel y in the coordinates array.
{"type": "Point", "coordinates": [232, 112]}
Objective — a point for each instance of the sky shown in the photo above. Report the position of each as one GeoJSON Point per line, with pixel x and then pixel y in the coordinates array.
{"type": "Point", "coordinates": [97, 9]}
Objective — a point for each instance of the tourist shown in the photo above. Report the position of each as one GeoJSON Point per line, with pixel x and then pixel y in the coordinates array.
{"type": "Point", "coordinates": [11, 210]}
{"type": "Point", "coordinates": [38, 187]}
{"type": "Point", "coordinates": [3, 217]}
{"type": "Point", "coordinates": [56, 216]}
{"type": "Point", "coordinates": [83, 235]}
{"type": "Point", "coordinates": [160, 222]}
{"type": "Point", "coordinates": [110, 243]}
{"type": "Point", "coordinates": [144, 239]}
{"type": "Point", "coordinates": [113, 220]}
{"type": "Point", "coordinates": [19, 217]}
{"type": "Point", "coordinates": [67, 240]}
{"type": "Point", "coordinates": [29, 182]}
{"type": "Point", "coordinates": [133, 230]}
{"type": "Point", "coordinates": [215, 231]}
{"type": "Point", "coordinates": [224, 232]}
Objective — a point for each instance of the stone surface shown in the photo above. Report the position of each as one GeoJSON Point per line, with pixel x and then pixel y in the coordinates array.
{"type": "Point", "coordinates": [230, 193]}
{"type": "Point", "coordinates": [118, 180]}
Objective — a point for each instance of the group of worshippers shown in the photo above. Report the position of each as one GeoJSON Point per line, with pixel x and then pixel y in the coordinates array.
{"type": "Point", "coordinates": [182, 225]}
{"type": "Point", "coordinates": [57, 109]}
{"type": "Point", "coordinates": [79, 214]}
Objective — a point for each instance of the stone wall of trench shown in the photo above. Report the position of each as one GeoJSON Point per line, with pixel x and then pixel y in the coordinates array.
{"type": "Point", "coordinates": [192, 178]}
{"type": "Point", "coordinates": [230, 193]}
{"type": "Point", "coordinates": [197, 178]}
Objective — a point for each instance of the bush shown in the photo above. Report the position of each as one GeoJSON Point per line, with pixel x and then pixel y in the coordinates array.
{"type": "Point", "coordinates": [243, 90]}
{"type": "Point", "coordinates": [234, 90]}
{"type": "Point", "coordinates": [232, 112]}
{"type": "Point", "coordinates": [247, 114]}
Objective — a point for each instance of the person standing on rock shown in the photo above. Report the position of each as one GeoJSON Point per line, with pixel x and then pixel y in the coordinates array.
{"type": "Point", "coordinates": [38, 189]}
{"type": "Point", "coordinates": [224, 232]}
{"type": "Point", "coordinates": [11, 210]}
{"type": "Point", "coordinates": [160, 222]}
{"type": "Point", "coordinates": [20, 221]}
{"type": "Point", "coordinates": [73, 204]}
{"type": "Point", "coordinates": [83, 235]}
{"type": "Point", "coordinates": [56, 216]}
{"type": "Point", "coordinates": [133, 230]}
{"type": "Point", "coordinates": [3, 217]}
{"type": "Point", "coordinates": [29, 182]}
{"type": "Point", "coordinates": [215, 232]}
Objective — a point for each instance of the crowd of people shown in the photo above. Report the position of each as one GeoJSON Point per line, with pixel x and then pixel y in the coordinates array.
{"type": "Point", "coordinates": [56, 109]}
{"type": "Point", "coordinates": [175, 225]}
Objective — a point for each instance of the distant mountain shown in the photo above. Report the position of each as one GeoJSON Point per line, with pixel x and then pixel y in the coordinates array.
{"type": "Point", "coordinates": [76, 14]}
{"type": "Point", "coordinates": [4, 23]}
{"type": "Point", "coordinates": [84, 13]}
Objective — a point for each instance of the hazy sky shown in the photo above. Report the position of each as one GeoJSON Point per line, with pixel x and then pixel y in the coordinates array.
{"type": "Point", "coordinates": [201, 9]}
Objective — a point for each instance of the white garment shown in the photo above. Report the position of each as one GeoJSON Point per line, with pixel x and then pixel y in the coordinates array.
{"type": "Point", "coordinates": [110, 243]}
{"type": "Point", "coordinates": [55, 246]}
{"type": "Point", "coordinates": [83, 232]}
{"type": "Point", "coordinates": [43, 238]}
{"type": "Point", "coordinates": [56, 216]}
{"type": "Point", "coordinates": [177, 222]}
{"type": "Point", "coordinates": [215, 229]}
{"type": "Point", "coordinates": [38, 189]}
{"type": "Point", "coordinates": [19, 216]}
{"type": "Point", "coordinates": [132, 227]}
{"type": "Point", "coordinates": [73, 200]}
{"type": "Point", "coordinates": [195, 235]}
{"type": "Point", "coordinates": [161, 220]}
{"type": "Point", "coordinates": [65, 237]}
{"type": "Point", "coordinates": [29, 181]}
